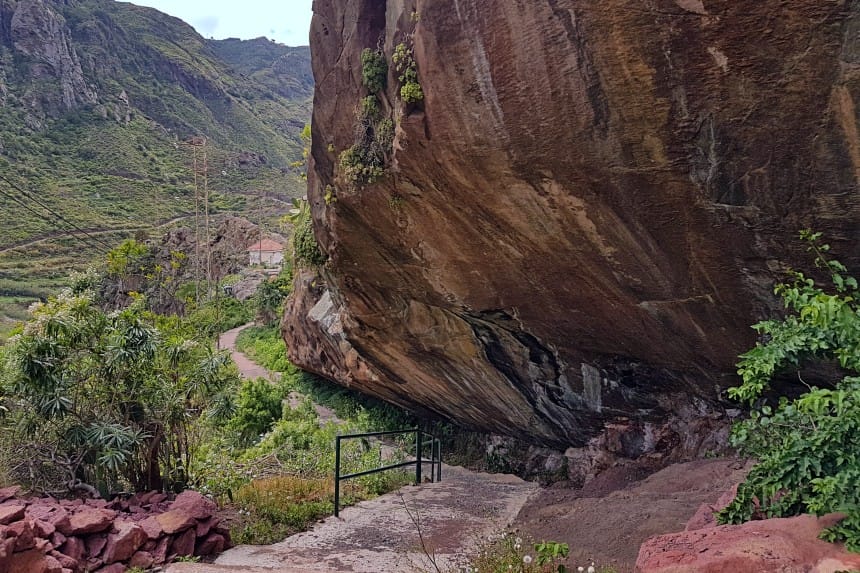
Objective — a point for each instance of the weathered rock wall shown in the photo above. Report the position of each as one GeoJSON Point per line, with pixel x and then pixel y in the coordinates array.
{"type": "Point", "coordinates": [586, 212]}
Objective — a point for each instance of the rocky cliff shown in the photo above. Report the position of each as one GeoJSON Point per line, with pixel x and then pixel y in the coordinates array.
{"type": "Point", "coordinates": [580, 220]}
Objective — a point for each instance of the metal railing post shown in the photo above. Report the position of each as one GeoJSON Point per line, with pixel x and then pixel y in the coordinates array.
{"type": "Point", "coordinates": [418, 456]}
{"type": "Point", "coordinates": [439, 459]}
{"type": "Point", "coordinates": [336, 476]}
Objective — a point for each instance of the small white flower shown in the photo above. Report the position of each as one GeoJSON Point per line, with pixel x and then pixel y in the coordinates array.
{"type": "Point", "coordinates": [527, 559]}
{"type": "Point", "coordinates": [518, 540]}
{"type": "Point", "coordinates": [518, 547]}
{"type": "Point", "coordinates": [581, 569]}
{"type": "Point", "coordinates": [590, 568]}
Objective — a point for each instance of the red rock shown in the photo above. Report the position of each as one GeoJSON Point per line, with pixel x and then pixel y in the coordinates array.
{"type": "Point", "coordinates": [57, 539]}
{"type": "Point", "coordinates": [87, 520]}
{"type": "Point", "coordinates": [43, 528]}
{"type": "Point", "coordinates": [74, 547]}
{"type": "Point", "coordinates": [194, 504]}
{"type": "Point", "coordinates": [7, 547]}
{"type": "Point", "coordinates": [213, 544]}
{"type": "Point", "coordinates": [174, 521]}
{"type": "Point", "coordinates": [152, 527]}
{"type": "Point", "coordinates": [95, 544]}
{"type": "Point", "coordinates": [142, 559]}
{"type": "Point", "coordinates": [10, 512]}
{"type": "Point", "coordinates": [114, 568]}
{"type": "Point", "coordinates": [158, 498]}
{"type": "Point", "coordinates": [64, 560]}
{"type": "Point", "coordinates": [9, 492]}
{"type": "Point", "coordinates": [785, 545]}
{"type": "Point", "coordinates": [122, 544]}
{"type": "Point", "coordinates": [183, 544]}
{"type": "Point", "coordinates": [93, 563]}
{"type": "Point", "coordinates": [704, 516]}
{"type": "Point", "coordinates": [96, 503]}
{"type": "Point", "coordinates": [145, 498]}
{"type": "Point", "coordinates": [160, 551]}
{"type": "Point", "coordinates": [149, 545]}
{"type": "Point", "coordinates": [203, 527]}
{"type": "Point", "coordinates": [32, 561]}
{"type": "Point", "coordinates": [23, 532]}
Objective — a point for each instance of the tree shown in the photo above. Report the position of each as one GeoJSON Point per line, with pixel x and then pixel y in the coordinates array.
{"type": "Point", "coordinates": [103, 400]}
{"type": "Point", "coordinates": [808, 459]}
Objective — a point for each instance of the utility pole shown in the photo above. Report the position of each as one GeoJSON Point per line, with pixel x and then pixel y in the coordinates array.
{"type": "Point", "coordinates": [206, 208]}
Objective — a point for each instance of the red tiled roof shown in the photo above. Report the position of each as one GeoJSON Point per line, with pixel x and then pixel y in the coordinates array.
{"type": "Point", "coordinates": [266, 245]}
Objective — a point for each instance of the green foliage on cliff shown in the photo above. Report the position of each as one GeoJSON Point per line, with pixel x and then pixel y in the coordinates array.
{"type": "Point", "coordinates": [407, 67]}
{"type": "Point", "coordinates": [374, 70]}
{"type": "Point", "coordinates": [808, 460]}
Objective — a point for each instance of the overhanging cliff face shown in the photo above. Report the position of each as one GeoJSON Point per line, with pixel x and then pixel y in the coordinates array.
{"type": "Point", "coordinates": [588, 209]}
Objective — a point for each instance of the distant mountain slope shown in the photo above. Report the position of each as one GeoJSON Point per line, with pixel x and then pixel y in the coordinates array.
{"type": "Point", "coordinates": [98, 101]}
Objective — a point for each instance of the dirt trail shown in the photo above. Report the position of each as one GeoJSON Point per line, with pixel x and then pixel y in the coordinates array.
{"type": "Point", "coordinates": [251, 370]}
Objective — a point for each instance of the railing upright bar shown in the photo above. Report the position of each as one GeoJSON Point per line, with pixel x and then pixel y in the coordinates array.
{"type": "Point", "coordinates": [439, 461]}
{"type": "Point", "coordinates": [337, 476]}
{"type": "Point", "coordinates": [418, 445]}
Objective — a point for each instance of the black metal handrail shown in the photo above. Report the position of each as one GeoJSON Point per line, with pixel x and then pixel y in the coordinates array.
{"type": "Point", "coordinates": [420, 441]}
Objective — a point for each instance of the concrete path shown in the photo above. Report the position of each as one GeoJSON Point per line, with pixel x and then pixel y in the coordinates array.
{"type": "Point", "coordinates": [380, 536]}
{"type": "Point", "coordinates": [247, 367]}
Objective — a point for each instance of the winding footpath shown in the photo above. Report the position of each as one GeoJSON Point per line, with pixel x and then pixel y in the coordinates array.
{"type": "Point", "coordinates": [400, 532]}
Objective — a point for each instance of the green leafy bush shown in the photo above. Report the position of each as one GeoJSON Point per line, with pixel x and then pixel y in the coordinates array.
{"type": "Point", "coordinates": [306, 250]}
{"type": "Point", "coordinates": [258, 406]}
{"type": "Point", "coordinates": [105, 400]}
{"type": "Point", "coordinates": [407, 67]}
{"type": "Point", "coordinates": [374, 70]}
{"type": "Point", "coordinates": [808, 460]}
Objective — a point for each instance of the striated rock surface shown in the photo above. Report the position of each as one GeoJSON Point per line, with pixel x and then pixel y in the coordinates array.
{"type": "Point", "coordinates": [586, 212]}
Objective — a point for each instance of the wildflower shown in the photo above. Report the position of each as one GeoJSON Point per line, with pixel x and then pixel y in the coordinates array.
{"type": "Point", "coordinates": [590, 568]}
{"type": "Point", "coordinates": [581, 569]}
{"type": "Point", "coordinates": [518, 547]}
{"type": "Point", "coordinates": [518, 540]}
{"type": "Point", "coordinates": [527, 559]}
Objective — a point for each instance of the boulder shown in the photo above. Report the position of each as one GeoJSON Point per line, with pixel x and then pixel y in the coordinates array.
{"type": "Point", "coordinates": [95, 544]}
{"type": "Point", "coordinates": [175, 520]}
{"type": "Point", "coordinates": [152, 527]}
{"type": "Point", "coordinates": [74, 547]}
{"type": "Point", "coordinates": [113, 568]}
{"type": "Point", "coordinates": [184, 543]}
{"type": "Point", "coordinates": [32, 561]}
{"type": "Point", "coordinates": [203, 527]}
{"type": "Point", "coordinates": [9, 492]}
{"type": "Point", "coordinates": [194, 504]}
{"type": "Point", "coordinates": [43, 528]}
{"type": "Point", "coordinates": [213, 544]}
{"type": "Point", "coordinates": [10, 512]}
{"type": "Point", "coordinates": [23, 533]}
{"type": "Point", "coordinates": [142, 559]}
{"type": "Point", "coordinates": [786, 545]}
{"type": "Point", "coordinates": [87, 520]}
{"type": "Point", "coordinates": [159, 553]}
{"type": "Point", "coordinates": [64, 560]}
{"type": "Point", "coordinates": [123, 544]}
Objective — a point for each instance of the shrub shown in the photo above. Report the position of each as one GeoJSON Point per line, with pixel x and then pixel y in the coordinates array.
{"type": "Point", "coordinates": [360, 166]}
{"type": "Point", "coordinates": [258, 405]}
{"type": "Point", "coordinates": [407, 67]}
{"type": "Point", "coordinates": [306, 250]}
{"type": "Point", "coordinates": [808, 460]}
{"type": "Point", "coordinates": [374, 70]}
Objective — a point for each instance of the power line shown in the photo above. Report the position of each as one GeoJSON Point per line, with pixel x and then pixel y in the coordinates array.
{"type": "Point", "coordinates": [50, 210]}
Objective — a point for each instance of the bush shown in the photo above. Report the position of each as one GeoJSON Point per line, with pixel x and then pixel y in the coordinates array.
{"type": "Point", "coordinates": [808, 460]}
{"type": "Point", "coordinates": [258, 406]}
{"type": "Point", "coordinates": [407, 67]}
{"type": "Point", "coordinates": [374, 70]}
{"type": "Point", "coordinates": [306, 250]}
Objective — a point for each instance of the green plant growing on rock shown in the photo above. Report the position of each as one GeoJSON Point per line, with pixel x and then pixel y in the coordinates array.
{"type": "Point", "coordinates": [407, 67]}
{"type": "Point", "coordinates": [374, 70]}
{"type": "Point", "coordinates": [808, 460]}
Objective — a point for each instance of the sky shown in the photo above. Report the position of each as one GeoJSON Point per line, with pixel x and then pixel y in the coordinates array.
{"type": "Point", "coordinates": [285, 21]}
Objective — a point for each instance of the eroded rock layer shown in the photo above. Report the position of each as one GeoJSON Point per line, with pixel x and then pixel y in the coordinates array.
{"type": "Point", "coordinates": [586, 212]}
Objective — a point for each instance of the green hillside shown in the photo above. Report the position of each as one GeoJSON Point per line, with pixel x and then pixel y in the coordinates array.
{"type": "Point", "coordinates": [99, 102]}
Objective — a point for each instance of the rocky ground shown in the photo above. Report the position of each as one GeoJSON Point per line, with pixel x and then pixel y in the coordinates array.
{"type": "Point", "coordinates": [609, 518]}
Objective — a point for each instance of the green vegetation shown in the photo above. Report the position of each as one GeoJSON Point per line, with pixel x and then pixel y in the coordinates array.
{"type": "Point", "coordinates": [121, 167]}
{"type": "Point", "coordinates": [374, 70]}
{"type": "Point", "coordinates": [806, 446]}
{"type": "Point", "coordinates": [306, 250]}
{"type": "Point", "coordinates": [104, 400]}
{"type": "Point", "coordinates": [508, 552]}
{"type": "Point", "coordinates": [407, 67]}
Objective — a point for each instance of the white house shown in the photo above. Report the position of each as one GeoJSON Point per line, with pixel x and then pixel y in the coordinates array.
{"type": "Point", "coordinates": [267, 252]}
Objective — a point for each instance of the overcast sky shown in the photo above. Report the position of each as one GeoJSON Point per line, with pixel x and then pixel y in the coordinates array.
{"type": "Point", "coordinates": [285, 21]}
